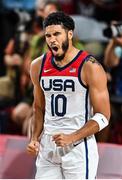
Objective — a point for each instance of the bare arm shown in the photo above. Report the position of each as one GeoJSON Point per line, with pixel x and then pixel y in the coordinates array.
{"type": "Point", "coordinates": [38, 106]}
{"type": "Point", "coordinates": [10, 47]}
{"type": "Point", "coordinates": [38, 112]}
{"type": "Point", "coordinates": [39, 100]}
{"type": "Point", "coordinates": [95, 78]}
{"type": "Point", "coordinates": [111, 59]}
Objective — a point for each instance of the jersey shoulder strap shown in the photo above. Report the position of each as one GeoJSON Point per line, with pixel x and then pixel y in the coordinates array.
{"type": "Point", "coordinates": [46, 59]}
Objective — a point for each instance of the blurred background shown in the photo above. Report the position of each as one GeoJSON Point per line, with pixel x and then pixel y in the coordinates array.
{"type": "Point", "coordinates": [98, 30]}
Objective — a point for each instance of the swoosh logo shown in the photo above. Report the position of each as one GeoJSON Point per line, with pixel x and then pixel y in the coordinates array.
{"type": "Point", "coordinates": [47, 70]}
{"type": "Point", "coordinates": [102, 120]}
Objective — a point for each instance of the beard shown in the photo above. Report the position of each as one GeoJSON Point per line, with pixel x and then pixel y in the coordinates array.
{"type": "Point", "coordinates": [65, 46]}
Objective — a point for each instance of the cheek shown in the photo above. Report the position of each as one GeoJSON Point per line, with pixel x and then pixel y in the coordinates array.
{"type": "Point", "coordinates": [61, 41]}
{"type": "Point", "coordinates": [47, 41]}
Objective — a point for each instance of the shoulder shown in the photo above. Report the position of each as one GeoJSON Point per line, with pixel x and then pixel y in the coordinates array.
{"type": "Point", "coordinates": [36, 62]}
{"type": "Point", "coordinates": [35, 68]}
{"type": "Point", "coordinates": [93, 71]}
{"type": "Point", "coordinates": [91, 63]}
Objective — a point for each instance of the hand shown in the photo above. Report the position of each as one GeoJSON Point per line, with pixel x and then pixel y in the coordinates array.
{"type": "Point", "coordinates": [33, 147]}
{"type": "Point", "coordinates": [117, 41]}
{"type": "Point", "coordinates": [17, 60]}
{"type": "Point", "coordinates": [63, 139]}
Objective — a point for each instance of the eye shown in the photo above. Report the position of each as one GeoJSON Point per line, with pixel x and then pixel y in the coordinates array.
{"type": "Point", "coordinates": [47, 35]}
{"type": "Point", "coordinates": [57, 33]}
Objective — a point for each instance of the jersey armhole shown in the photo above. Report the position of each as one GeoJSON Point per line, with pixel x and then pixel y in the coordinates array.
{"type": "Point", "coordinates": [80, 69]}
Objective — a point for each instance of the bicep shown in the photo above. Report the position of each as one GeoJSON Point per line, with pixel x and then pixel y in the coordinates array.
{"type": "Point", "coordinates": [98, 91]}
{"type": "Point", "coordinates": [100, 100]}
{"type": "Point", "coordinates": [39, 100]}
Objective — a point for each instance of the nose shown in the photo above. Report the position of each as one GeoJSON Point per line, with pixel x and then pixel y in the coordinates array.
{"type": "Point", "coordinates": [52, 40]}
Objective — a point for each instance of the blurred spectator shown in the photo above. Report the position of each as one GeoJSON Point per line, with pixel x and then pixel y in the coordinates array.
{"type": "Point", "coordinates": [103, 10]}
{"type": "Point", "coordinates": [15, 52]}
{"type": "Point", "coordinates": [68, 6]}
{"type": "Point", "coordinates": [113, 60]}
{"type": "Point", "coordinates": [120, 10]}
{"type": "Point", "coordinates": [113, 56]}
{"type": "Point", "coordinates": [22, 113]}
{"type": "Point", "coordinates": [9, 20]}
{"type": "Point", "coordinates": [86, 8]}
{"type": "Point", "coordinates": [51, 7]}
{"type": "Point", "coordinates": [37, 42]}
{"type": "Point", "coordinates": [23, 109]}
{"type": "Point", "coordinates": [107, 10]}
{"type": "Point", "coordinates": [39, 6]}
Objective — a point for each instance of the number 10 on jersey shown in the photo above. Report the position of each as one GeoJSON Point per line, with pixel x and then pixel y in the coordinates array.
{"type": "Point", "coordinates": [58, 105]}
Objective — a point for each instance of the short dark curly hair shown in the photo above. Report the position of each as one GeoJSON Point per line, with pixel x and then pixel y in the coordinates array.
{"type": "Point", "coordinates": [59, 18]}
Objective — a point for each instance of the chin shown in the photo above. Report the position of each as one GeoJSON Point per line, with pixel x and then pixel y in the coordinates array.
{"type": "Point", "coordinates": [59, 57]}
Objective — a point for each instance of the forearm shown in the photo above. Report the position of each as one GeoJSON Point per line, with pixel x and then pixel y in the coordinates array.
{"type": "Point", "coordinates": [90, 128]}
{"type": "Point", "coordinates": [38, 119]}
{"type": "Point", "coordinates": [110, 57]}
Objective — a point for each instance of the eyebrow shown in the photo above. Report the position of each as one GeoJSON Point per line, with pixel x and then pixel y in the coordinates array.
{"type": "Point", "coordinates": [47, 34]}
{"type": "Point", "coordinates": [52, 33]}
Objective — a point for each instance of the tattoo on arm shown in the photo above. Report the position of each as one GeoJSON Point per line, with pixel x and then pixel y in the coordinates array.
{"type": "Point", "coordinates": [93, 60]}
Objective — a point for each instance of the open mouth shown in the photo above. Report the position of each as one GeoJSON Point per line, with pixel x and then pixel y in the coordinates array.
{"type": "Point", "coordinates": [55, 48]}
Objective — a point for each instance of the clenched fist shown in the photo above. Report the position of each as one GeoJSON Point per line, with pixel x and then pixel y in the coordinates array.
{"type": "Point", "coordinates": [63, 139]}
{"type": "Point", "coordinates": [33, 147]}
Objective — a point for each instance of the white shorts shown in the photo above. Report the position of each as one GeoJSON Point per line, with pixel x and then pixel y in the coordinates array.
{"type": "Point", "coordinates": [71, 162]}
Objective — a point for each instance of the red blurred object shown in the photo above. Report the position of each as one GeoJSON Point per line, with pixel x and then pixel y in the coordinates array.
{"type": "Point", "coordinates": [15, 163]}
{"type": "Point", "coordinates": [110, 162]}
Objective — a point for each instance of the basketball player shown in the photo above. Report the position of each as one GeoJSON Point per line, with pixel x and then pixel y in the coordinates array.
{"type": "Point", "coordinates": [68, 86]}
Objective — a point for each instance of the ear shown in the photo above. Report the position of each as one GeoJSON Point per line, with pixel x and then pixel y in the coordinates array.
{"type": "Point", "coordinates": [70, 34]}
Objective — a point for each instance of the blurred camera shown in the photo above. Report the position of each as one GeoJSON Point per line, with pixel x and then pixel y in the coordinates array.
{"type": "Point", "coordinates": [115, 30]}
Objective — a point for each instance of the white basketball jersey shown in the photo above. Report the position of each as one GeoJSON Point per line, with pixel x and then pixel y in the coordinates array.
{"type": "Point", "coordinates": [67, 98]}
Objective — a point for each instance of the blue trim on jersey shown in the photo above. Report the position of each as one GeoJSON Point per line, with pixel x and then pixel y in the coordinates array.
{"type": "Point", "coordinates": [85, 139]}
{"type": "Point", "coordinates": [62, 68]}
{"type": "Point", "coordinates": [86, 105]}
{"type": "Point", "coordinates": [79, 71]}
{"type": "Point", "coordinates": [42, 65]}
{"type": "Point", "coordinates": [87, 161]}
